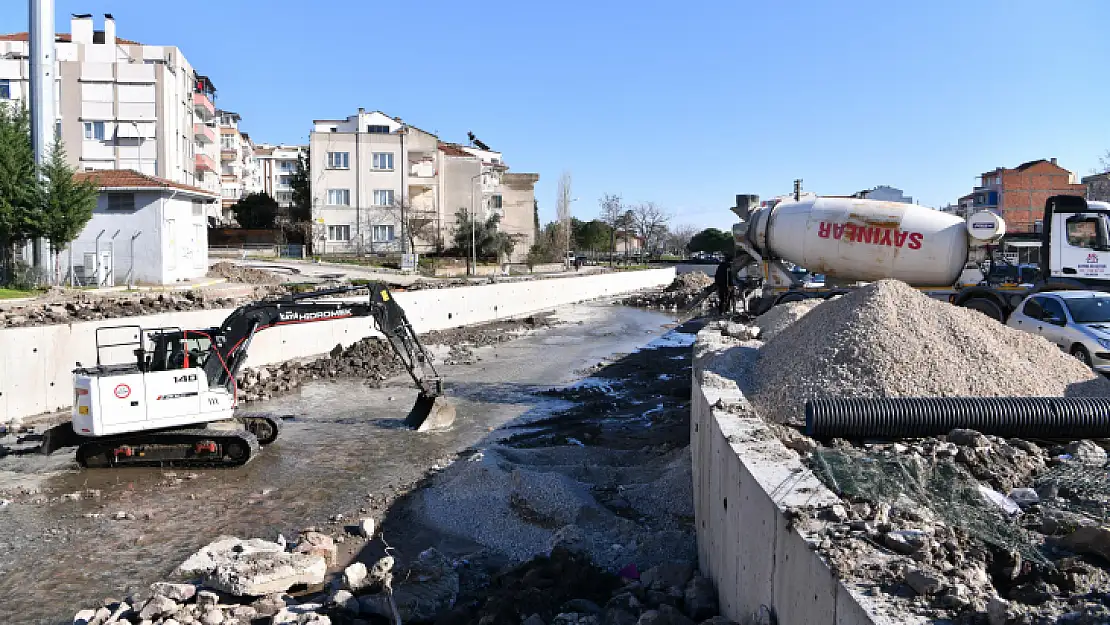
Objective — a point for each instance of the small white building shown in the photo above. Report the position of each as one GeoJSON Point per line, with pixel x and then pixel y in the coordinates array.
{"type": "Point", "coordinates": [144, 230]}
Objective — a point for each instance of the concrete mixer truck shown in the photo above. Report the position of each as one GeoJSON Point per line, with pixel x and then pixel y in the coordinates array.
{"type": "Point", "coordinates": [853, 241]}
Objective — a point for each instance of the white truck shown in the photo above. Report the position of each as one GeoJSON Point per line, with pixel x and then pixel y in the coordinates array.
{"type": "Point", "coordinates": [854, 241]}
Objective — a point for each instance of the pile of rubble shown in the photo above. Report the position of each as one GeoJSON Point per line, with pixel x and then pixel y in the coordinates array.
{"type": "Point", "coordinates": [85, 308]}
{"type": "Point", "coordinates": [238, 582]}
{"type": "Point", "coordinates": [966, 527]}
{"type": "Point", "coordinates": [890, 340]}
{"type": "Point", "coordinates": [685, 290]}
{"type": "Point", "coordinates": [243, 273]}
{"type": "Point", "coordinates": [371, 359]}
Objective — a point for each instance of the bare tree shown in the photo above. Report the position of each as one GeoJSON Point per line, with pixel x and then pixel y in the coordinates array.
{"type": "Point", "coordinates": [611, 210]}
{"type": "Point", "coordinates": [680, 235]}
{"type": "Point", "coordinates": [562, 210]}
{"type": "Point", "coordinates": [420, 221]}
{"type": "Point", "coordinates": [650, 222]}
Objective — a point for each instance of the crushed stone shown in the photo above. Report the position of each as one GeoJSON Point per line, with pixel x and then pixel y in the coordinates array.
{"type": "Point", "coordinates": [243, 273]}
{"type": "Point", "coordinates": [774, 321]}
{"type": "Point", "coordinates": [890, 340]}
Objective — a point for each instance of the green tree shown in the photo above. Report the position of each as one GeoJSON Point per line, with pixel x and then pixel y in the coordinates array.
{"type": "Point", "coordinates": [591, 235]}
{"type": "Point", "coordinates": [68, 203]}
{"type": "Point", "coordinates": [301, 210]}
{"type": "Point", "coordinates": [20, 193]}
{"type": "Point", "coordinates": [547, 246]}
{"type": "Point", "coordinates": [711, 240]}
{"type": "Point", "coordinates": [256, 211]}
{"type": "Point", "coordinates": [488, 240]}
{"type": "Point", "coordinates": [536, 217]}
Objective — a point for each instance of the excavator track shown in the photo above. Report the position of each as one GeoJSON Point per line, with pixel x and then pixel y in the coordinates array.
{"type": "Point", "coordinates": [265, 427]}
{"type": "Point", "coordinates": [192, 447]}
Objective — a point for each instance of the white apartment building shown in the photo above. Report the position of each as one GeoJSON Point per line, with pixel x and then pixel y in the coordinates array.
{"type": "Point", "coordinates": [124, 105]}
{"type": "Point", "coordinates": [370, 168]}
{"type": "Point", "coordinates": [239, 171]}
{"type": "Point", "coordinates": [276, 166]}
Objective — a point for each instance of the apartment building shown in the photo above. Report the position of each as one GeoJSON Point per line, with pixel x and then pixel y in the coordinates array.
{"type": "Point", "coordinates": [1019, 194]}
{"type": "Point", "coordinates": [885, 193]}
{"type": "Point", "coordinates": [369, 169]}
{"type": "Point", "coordinates": [124, 105]}
{"type": "Point", "coordinates": [276, 166]}
{"type": "Point", "coordinates": [239, 171]}
{"type": "Point", "coordinates": [1098, 187]}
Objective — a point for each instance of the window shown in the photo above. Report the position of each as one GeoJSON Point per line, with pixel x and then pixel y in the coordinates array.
{"type": "Point", "coordinates": [495, 202]}
{"type": "Point", "coordinates": [94, 130]}
{"type": "Point", "coordinates": [227, 142]}
{"type": "Point", "coordinates": [338, 160]}
{"type": "Point", "coordinates": [1083, 232]}
{"type": "Point", "coordinates": [1038, 226]}
{"type": "Point", "coordinates": [198, 208]}
{"type": "Point", "coordinates": [6, 89]}
{"type": "Point", "coordinates": [339, 233]}
{"type": "Point", "coordinates": [121, 202]}
{"type": "Point", "coordinates": [289, 165]}
{"type": "Point", "coordinates": [1052, 309]}
{"type": "Point", "coordinates": [383, 197]}
{"type": "Point", "coordinates": [284, 197]}
{"type": "Point", "coordinates": [339, 197]}
{"type": "Point", "coordinates": [383, 234]}
{"type": "Point", "coordinates": [378, 130]}
{"type": "Point", "coordinates": [285, 181]}
{"type": "Point", "coordinates": [1032, 308]}
{"type": "Point", "coordinates": [1089, 309]}
{"type": "Point", "coordinates": [383, 161]}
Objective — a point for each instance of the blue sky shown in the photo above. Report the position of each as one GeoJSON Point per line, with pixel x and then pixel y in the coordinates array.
{"type": "Point", "coordinates": [682, 103]}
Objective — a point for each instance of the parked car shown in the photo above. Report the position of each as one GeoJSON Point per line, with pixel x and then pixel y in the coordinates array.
{"type": "Point", "coordinates": [1078, 322]}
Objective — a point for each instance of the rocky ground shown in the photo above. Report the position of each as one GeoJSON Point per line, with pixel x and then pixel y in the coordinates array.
{"type": "Point", "coordinates": [965, 527]}
{"type": "Point", "coordinates": [372, 359]}
{"type": "Point", "coordinates": [687, 290]}
{"type": "Point", "coordinates": [243, 274]}
{"type": "Point", "coordinates": [583, 516]}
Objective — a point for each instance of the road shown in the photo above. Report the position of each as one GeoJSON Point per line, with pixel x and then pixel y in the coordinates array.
{"type": "Point", "coordinates": [341, 452]}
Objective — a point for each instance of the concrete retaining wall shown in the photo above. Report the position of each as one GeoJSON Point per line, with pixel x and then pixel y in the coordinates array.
{"type": "Point", "coordinates": [36, 362]}
{"type": "Point", "coordinates": [744, 480]}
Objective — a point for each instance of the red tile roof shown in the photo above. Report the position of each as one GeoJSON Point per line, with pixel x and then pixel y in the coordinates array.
{"type": "Point", "coordinates": [131, 179]}
{"type": "Point", "coordinates": [451, 149]}
{"type": "Point", "coordinates": [61, 38]}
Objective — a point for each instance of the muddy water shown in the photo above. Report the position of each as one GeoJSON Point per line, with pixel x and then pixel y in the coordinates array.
{"type": "Point", "coordinates": [342, 449]}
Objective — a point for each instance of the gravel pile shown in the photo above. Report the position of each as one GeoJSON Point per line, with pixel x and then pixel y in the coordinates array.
{"type": "Point", "coordinates": [782, 316]}
{"type": "Point", "coordinates": [371, 358]}
{"type": "Point", "coordinates": [889, 340]}
{"type": "Point", "coordinates": [243, 273]}
{"type": "Point", "coordinates": [679, 294]}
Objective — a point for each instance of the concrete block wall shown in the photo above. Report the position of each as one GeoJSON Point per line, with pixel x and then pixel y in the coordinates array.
{"type": "Point", "coordinates": [744, 481]}
{"type": "Point", "coordinates": [36, 363]}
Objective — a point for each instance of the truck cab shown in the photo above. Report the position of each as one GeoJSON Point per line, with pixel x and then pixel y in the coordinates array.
{"type": "Point", "coordinates": [1077, 241]}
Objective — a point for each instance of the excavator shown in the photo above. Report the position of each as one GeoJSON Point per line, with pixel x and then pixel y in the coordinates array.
{"type": "Point", "coordinates": [175, 402]}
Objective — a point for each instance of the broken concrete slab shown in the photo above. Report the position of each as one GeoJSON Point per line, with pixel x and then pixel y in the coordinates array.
{"type": "Point", "coordinates": [261, 573]}
{"type": "Point", "coordinates": [317, 544]}
{"type": "Point", "coordinates": [220, 551]}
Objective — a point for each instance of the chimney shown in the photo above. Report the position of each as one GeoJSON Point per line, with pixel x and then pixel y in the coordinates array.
{"type": "Point", "coordinates": [1053, 160]}
{"type": "Point", "coordinates": [361, 110]}
{"type": "Point", "coordinates": [109, 29]}
{"type": "Point", "coordinates": [81, 28]}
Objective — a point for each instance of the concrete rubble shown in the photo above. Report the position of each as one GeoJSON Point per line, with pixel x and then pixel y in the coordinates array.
{"type": "Point", "coordinates": [678, 295]}
{"type": "Point", "coordinates": [966, 527]}
{"type": "Point", "coordinates": [243, 273]}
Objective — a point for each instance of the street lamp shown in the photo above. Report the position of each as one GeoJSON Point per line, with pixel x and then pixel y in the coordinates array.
{"type": "Point", "coordinates": [566, 235]}
{"type": "Point", "coordinates": [473, 250]}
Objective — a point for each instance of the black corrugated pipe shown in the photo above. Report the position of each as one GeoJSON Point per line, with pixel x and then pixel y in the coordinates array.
{"type": "Point", "coordinates": [914, 417]}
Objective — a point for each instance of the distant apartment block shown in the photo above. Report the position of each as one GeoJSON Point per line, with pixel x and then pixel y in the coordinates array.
{"type": "Point", "coordinates": [276, 166]}
{"type": "Point", "coordinates": [885, 193]}
{"type": "Point", "coordinates": [369, 168]}
{"type": "Point", "coordinates": [1019, 194]}
{"type": "Point", "coordinates": [124, 105]}
{"type": "Point", "coordinates": [239, 171]}
{"type": "Point", "coordinates": [1098, 187]}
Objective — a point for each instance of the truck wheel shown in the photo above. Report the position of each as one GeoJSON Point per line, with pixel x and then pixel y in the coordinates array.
{"type": "Point", "coordinates": [988, 307]}
{"type": "Point", "coordinates": [1082, 354]}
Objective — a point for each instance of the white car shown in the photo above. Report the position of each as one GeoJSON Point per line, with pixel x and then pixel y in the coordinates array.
{"type": "Point", "coordinates": [1078, 322]}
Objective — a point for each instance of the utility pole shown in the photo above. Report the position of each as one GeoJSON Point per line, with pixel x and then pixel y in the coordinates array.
{"type": "Point", "coordinates": [41, 38]}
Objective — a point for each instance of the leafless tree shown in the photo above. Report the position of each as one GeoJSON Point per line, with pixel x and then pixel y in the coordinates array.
{"type": "Point", "coordinates": [562, 210]}
{"type": "Point", "coordinates": [649, 220]}
{"type": "Point", "coordinates": [612, 208]}
{"type": "Point", "coordinates": [421, 224]}
{"type": "Point", "coordinates": [680, 235]}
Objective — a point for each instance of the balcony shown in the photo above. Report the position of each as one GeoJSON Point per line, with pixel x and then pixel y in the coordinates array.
{"type": "Point", "coordinates": [205, 163]}
{"type": "Point", "coordinates": [227, 154]}
{"type": "Point", "coordinates": [203, 134]}
{"type": "Point", "coordinates": [203, 106]}
{"type": "Point", "coordinates": [421, 174]}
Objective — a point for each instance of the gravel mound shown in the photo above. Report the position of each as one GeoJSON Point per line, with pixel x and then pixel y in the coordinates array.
{"type": "Point", "coordinates": [890, 340]}
{"type": "Point", "coordinates": [778, 318]}
{"type": "Point", "coordinates": [693, 281]}
{"type": "Point", "coordinates": [240, 273]}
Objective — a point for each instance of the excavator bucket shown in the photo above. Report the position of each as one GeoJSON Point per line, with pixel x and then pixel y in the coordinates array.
{"type": "Point", "coordinates": [431, 413]}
